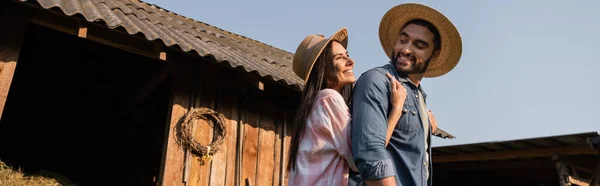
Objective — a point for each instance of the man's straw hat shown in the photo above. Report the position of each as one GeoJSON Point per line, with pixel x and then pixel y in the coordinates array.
{"type": "Point", "coordinates": [451, 44]}
{"type": "Point", "coordinates": [311, 47]}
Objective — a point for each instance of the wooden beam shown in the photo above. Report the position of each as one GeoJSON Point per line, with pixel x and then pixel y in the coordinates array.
{"type": "Point", "coordinates": [163, 56]}
{"type": "Point", "coordinates": [578, 181]}
{"type": "Point", "coordinates": [82, 32]}
{"type": "Point", "coordinates": [98, 33]}
{"type": "Point", "coordinates": [15, 20]}
{"type": "Point", "coordinates": [512, 154]}
{"type": "Point", "coordinates": [172, 164]}
{"type": "Point", "coordinates": [261, 86]}
{"type": "Point", "coordinates": [253, 80]}
{"type": "Point", "coordinates": [240, 141]}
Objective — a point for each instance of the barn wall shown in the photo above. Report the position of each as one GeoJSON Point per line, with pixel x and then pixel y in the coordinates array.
{"type": "Point", "coordinates": [254, 149]}
{"type": "Point", "coordinates": [259, 111]}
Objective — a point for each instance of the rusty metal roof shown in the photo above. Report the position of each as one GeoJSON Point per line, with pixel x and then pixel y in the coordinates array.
{"type": "Point", "coordinates": [172, 29]}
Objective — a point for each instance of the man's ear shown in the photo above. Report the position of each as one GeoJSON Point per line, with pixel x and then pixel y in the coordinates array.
{"type": "Point", "coordinates": [435, 55]}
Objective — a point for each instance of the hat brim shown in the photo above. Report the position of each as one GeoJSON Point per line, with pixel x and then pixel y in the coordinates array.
{"type": "Point", "coordinates": [451, 49]}
{"type": "Point", "coordinates": [340, 36]}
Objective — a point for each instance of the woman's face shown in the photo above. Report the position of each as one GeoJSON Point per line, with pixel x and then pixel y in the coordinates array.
{"type": "Point", "coordinates": [343, 65]}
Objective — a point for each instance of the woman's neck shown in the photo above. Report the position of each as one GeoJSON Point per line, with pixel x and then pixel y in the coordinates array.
{"type": "Point", "coordinates": [338, 89]}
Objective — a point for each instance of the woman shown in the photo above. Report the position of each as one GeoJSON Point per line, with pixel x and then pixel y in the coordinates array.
{"type": "Point", "coordinates": [320, 148]}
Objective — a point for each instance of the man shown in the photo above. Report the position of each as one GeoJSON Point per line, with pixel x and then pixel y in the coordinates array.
{"type": "Point", "coordinates": [421, 42]}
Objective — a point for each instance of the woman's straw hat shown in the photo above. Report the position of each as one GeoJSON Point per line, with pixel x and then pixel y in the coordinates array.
{"type": "Point", "coordinates": [451, 49]}
{"type": "Point", "coordinates": [311, 47]}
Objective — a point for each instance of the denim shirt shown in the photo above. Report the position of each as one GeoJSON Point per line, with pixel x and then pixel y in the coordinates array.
{"type": "Point", "coordinates": [404, 157]}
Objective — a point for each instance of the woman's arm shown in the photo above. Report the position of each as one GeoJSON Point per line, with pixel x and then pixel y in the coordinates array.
{"type": "Point", "coordinates": [397, 98]}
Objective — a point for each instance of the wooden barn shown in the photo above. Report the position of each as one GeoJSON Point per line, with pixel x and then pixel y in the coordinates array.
{"type": "Point", "coordinates": [564, 160]}
{"type": "Point", "coordinates": [92, 90]}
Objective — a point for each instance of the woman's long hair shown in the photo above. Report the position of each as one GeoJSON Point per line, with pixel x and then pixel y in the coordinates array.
{"type": "Point", "coordinates": [323, 75]}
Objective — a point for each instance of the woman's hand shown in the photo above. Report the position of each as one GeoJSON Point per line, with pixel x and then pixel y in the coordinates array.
{"type": "Point", "coordinates": [398, 93]}
{"type": "Point", "coordinates": [397, 97]}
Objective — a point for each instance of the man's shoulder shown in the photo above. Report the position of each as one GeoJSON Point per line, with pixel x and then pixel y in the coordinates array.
{"type": "Point", "coordinates": [376, 74]}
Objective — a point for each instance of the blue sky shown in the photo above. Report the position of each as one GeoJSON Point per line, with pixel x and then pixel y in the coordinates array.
{"type": "Point", "coordinates": [526, 70]}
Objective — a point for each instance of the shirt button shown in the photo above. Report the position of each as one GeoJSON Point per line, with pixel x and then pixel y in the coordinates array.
{"type": "Point", "coordinates": [417, 95]}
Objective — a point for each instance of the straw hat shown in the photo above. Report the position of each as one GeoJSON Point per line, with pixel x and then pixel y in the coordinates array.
{"type": "Point", "coordinates": [311, 47]}
{"type": "Point", "coordinates": [451, 49]}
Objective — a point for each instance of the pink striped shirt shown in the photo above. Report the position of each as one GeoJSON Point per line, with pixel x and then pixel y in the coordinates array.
{"type": "Point", "coordinates": [324, 154]}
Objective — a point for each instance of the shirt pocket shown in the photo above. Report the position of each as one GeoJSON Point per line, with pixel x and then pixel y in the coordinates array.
{"type": "Point", "coordinates": [409, 121]}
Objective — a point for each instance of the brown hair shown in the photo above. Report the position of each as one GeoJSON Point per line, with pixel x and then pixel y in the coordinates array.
{"type": "Point", "coordinates": [322, 76]}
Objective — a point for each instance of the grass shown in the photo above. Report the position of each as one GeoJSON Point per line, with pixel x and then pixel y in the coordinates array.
{"type": "Point", "coordinates": [9, 176]}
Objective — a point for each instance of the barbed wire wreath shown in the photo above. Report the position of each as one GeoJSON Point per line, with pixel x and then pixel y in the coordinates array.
{"type": "Point", "coordinates": [186, 138]}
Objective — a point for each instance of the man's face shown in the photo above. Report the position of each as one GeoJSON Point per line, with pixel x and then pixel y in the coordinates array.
{"type": "Point", "coordinates": [414, 49]}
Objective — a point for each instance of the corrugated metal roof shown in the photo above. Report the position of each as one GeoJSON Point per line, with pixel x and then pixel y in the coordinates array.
{"type": "Point", "coordinates": [580, 139]}
{"type": "Point", "coordinates": [176, 30]}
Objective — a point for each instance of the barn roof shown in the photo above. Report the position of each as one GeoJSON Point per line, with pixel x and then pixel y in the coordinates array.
{"type": "Point", "coordinates": [568, 144]}
{"type": "Point", "coordinates": [175, 30]}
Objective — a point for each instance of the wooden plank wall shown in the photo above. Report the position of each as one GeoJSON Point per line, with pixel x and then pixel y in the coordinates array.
{"type": "Point", "coordinates": [257, 114]}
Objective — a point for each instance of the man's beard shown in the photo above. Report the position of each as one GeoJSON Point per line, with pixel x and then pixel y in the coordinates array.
{"type": "Point", "coordinates": [414, 68]}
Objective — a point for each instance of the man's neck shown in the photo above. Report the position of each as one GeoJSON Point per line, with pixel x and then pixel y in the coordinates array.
{"type": "Point", "coordinates": [415, 78]}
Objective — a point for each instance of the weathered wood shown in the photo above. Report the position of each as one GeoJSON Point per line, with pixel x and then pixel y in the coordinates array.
{"type": "Point", "coordinates": [233, 100]}
{"type": "Point", "coordinates": [162, 56]}
{"type": "Point", "coordinates": [286, 142]}
{"type": "Point", "coordinates": [279, 133]}
{"type": "Point", "coordinates": [528, 153]}
{"type": "Point", "coordinates": [223, 168]}
{"type": "Point", "coordinates": [217, 171]}
{"type": "Point", "coordinates": [239, 155]}
{"type": "Point", "coordinates": [82, 32]}
{"type": "Point", "coordinates": [251, 118]}
{"type": "Point", "coordinates": [205, 97]}
{"type": "Point", "coordinates": [578, 181]}
{"type": "Point", "coordinates": [266, 151]}
{"type": "Point", "coordinates": [254, 80]}
{"type": "Point", "coordinates": [12, 35]}
{"type": "Point", "coordinates": [283, 158]}
{"type": "Point", "coordinates": [173, 156]}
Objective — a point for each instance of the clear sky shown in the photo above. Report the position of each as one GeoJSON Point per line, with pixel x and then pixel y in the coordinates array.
{"type": "Point", "coordinates": [526, 70]}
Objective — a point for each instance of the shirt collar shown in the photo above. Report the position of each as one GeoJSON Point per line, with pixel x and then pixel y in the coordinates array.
{"type": "Point", "coordinates": [403, 77]}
